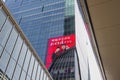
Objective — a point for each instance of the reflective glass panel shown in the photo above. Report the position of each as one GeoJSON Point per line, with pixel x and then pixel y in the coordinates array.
{"type": "Point", "coordinates": [22, 54]}
{"type": "Point", "coordinates": [4, 60]}
{"type": "Point", "coordinates": [2, 18]}
{"type": "Point", "coordinates": [38, 73]}
{"type": "Point", "coordinates": [31, 66]}
{"type": "Point", "coordinates": [17, 48]}
{"type": "Point", "coordinates": [23, 75]}
{"type": "Point", "coordinates": [41, 76]}
{"type": "Point", "coordinates": [28, 78]}
{"type": "Point", "coordinates": [11, 41]}
{"type": "Point", "coordinates": [27, 60]}
{"type": "Point", "coordinates": [34, 71]}
{"type": "Point", "coordinates": [10, 68]}
{"type": "Point", "coordinates": [5, 32]}
{"type": "Point", "coordinates": [1, 48]}
{"type": "Point", "coordinates": [17, 72]}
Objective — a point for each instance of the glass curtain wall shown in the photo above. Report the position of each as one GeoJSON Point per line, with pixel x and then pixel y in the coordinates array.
{"type": "Point", "coordinates": [69, 25]}
{"type": "Point", "coordinates": [17, 58]}
{"type": "Point", "coordinates": [63, 67]}
{"type": "Point", "coordinates": [41, 20]}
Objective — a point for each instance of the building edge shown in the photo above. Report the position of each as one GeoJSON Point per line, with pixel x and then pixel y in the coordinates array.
{"type": "Point", "coordinates": [92, 36]}
{"type": "Point", "coordinates": [3, 6]}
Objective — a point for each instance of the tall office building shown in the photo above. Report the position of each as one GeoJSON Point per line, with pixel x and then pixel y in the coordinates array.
{"type": "Point", "coordinates": [65, 66]}
{"type": "Point", "coordinates": [41, 20]}
{"type": "Point", "coordinates": [88, 59]}
{"type": "Point", "coordinates": [18, 60]}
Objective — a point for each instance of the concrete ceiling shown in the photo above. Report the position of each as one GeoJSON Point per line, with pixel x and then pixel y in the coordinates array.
{"type": "Point", "coordinates": [105, 15]}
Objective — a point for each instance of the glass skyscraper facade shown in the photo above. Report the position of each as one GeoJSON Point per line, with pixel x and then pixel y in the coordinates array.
{"type": "Point", "coordinates": [65, 66]}
{"type": "Point", "coordinates": [18, 60]}
{"type": "Point", "coordinates": [41, 20]}
{"type": "Point", "coordinates": [44, 19]}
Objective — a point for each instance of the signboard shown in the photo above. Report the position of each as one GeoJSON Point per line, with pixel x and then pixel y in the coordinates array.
{"type": "Point", "coordinates": [58, 45]}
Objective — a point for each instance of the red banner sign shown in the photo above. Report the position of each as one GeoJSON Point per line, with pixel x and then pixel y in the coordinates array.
{"type": "Point", "coordinates": [58, 44]}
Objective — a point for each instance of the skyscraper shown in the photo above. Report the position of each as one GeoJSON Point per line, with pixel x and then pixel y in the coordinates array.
{"type": "Point", "coordinates": [65, 66]}
{"type": "Point", "coordinates": [18, 60]}
{"type": "Point", "coordinates": [45, 19]}
{"type": "Point", "coordinates": [41, 20]}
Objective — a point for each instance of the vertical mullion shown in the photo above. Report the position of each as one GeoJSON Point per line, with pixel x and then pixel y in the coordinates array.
{"type": "Point", "coordinates": [62, 62]}
{"type": "Point", "coordinates": [36, 71]}
{"type": "Point", "coordinates": [40, 72]}
{"type": "Point", "coordinates": [6, 42]}
{"type": "Point", "coordinates": [17, 61]}
{"type": "Point", "coordinates": [43, 75]}
{"type": "Point", "coordinates": [32, 69]}
{"type": "Point", "coordinates": [11, 53]}
{"type": "Point", "coordinates": [59, 65]}
{"type": "Point", "coordinates": [65, 65]}
{"type": "Point", "coordinates": [28, 66]}
{"type": "Point", "coordinates": [4, 23]}
{"type": "Point", "coordinates": [23, 64]}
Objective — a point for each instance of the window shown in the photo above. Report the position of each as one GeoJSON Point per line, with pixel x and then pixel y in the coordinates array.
{"type": "Point", "coordinates": [23, 75]}
{"type": "Point", "coordinates": [2, 18]}
{"type": "Point", "coordinates": [1, 48]}
{"type": "Point", "coordinates": [27, 60]}
{"type": "Point", "coordinates": [28, 78]}
{"type": "Point", "coordinates": [31, 66]}
{"type": "Point", "coordinates": [17, 73]}
{"type": "Point", "coordinates": [22, 54]}
{"type": "Point", "coordinates": [11, 42]}
{"type": "Point", "coordinates": [10, 68]}
{"type": "Point", "coordinates": [5, 33]}
{"type": "Point", "coordinates": [34, 71]}
{"type": "Point", "coordinates": [41, 76]}
{"type": "Point", "coordinates": [17, 48]}
{"type": "Point", "coordinates": [4, 60]}
{"type": "Point", "coordinates": [38, 72]}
